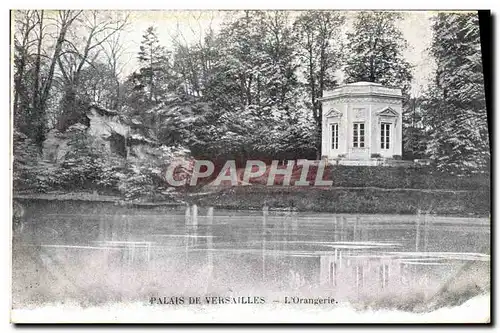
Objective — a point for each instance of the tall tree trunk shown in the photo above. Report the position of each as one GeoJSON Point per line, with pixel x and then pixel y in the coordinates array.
{"type": "Point", "coordinates": [18, 82]}
{"type": "Point", "coordinates": [41, 95]}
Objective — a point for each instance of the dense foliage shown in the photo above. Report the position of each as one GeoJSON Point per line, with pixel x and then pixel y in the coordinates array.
{"type": "Point", "coordinates": [249, 89]}
{"type": "Point", "coordinates": [455, 106]}
{"type": "Point", "coordinates": [376, 47]}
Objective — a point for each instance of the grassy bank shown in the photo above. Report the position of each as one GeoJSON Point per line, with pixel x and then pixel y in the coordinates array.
{"type": "Point", "coordinates": [368, 200]}
{"type": "Point", "coordinates": [355, 189]}
{"type": "Point", "coordinates": [352, 200]}
{"type": "Point", "coordinates": [406, 177]}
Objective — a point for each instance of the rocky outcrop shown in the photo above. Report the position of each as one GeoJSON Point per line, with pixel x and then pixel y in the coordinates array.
{"type": "Point", "coordinates": [106, 126]}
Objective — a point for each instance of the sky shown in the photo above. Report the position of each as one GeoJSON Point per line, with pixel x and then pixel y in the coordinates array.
{"type": "Point", "coordinates": [416, 28]}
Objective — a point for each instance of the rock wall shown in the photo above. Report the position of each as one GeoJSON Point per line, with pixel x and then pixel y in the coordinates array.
{"type": "Point", "coordinates": [104, 128]}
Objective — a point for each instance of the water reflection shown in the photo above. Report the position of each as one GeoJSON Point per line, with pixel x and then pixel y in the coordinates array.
{"type": "Point", "coordinates": [201, 250]}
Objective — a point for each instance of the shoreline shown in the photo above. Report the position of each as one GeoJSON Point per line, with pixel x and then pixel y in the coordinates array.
{"type": "Point", "coordinates": [362, 200]}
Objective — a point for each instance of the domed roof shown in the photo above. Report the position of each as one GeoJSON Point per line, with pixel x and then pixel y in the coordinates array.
{"type": "Point", "coordinates": [362, 89]}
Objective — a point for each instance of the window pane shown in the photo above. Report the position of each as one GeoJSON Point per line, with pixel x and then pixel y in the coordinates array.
{"type": "Point", "coordinates": [335, 134]}
{"type": "Point", "coordinates": [384, 135]}
{"type": "Point", "coordinates": [358, 135]}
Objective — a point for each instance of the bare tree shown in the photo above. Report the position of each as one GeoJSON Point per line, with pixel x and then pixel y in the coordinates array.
{"type": "Point", "coordinates": [114, 51]}
{"type": "Point", "coordinates": [94, 28]}
{"type": "Point", "coordinates": [81, 48]}
{"type": "Point", "coordinates": [25, 24]}
{"type": "Point", "coordinates": [194, 60]}
{"type": "Point", "coordinates": [42, 63]}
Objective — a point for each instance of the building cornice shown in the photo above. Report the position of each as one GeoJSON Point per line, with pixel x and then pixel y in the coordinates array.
{"type": "Point", "coordinates": [358, 95]}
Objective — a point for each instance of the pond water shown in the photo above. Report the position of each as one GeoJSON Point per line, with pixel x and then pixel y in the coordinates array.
{"type": "Point", "coordinates": [94, 253]}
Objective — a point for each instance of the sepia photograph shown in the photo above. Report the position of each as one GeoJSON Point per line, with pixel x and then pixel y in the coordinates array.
{"type": "Point", "coordinates": [250, 166]}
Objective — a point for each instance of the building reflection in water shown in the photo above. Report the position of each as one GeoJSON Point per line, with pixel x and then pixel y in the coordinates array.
{"type": "Point", "coordinates": [340, 256]}
{"type": "Point", "coordinates": [277, 250]}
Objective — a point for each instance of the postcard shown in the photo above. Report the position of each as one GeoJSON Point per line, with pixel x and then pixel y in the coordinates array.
{"type": "Point", "coordinates": [250, 166]}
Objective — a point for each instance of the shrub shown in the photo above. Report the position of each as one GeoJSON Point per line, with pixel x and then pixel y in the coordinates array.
{"type": "Point", "coordinates": [110, 172]}
{"type": "Point", "coordinates": [29, 171]}
{"type": "Point", "coordinates": [83, 164]}
{"type": "Point", "coordinates": [396, 157]}
{"type": "Point", "coordinates": [144, 175]}
{"type": "Point", "coordinates": [136, 182]}
{"type": "Point", "coordinates": [376, 155]}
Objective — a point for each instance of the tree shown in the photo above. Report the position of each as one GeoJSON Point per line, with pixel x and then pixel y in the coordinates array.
{"type": "Point", "coordinates": [152, 78]}
{"type": "Point", "coordinates": [375, 51]}
{"type": "Point", "coordinates": [375, 54]}
{"type": "Point", "coordinates": [114, 51]}
{"type": "Point", "coordinates": [97, 84]}
{"type": "Point", "coordinates": [25, 23]}
{"type": "Point", "coordinates": [454, 103]}
{"type": "Point", "coordinates": [244, 80]}
{"type": "Point", "coordinates": [81, 50]}
{"type": "Point", "coordinates": [318, 34]}
{"type": "Point", "coordinates": [234, 87]}
{"type": "Point", "coordinates": [279, 47]}
{"type": "Point", "coordinates": [155, 99]}
{"type": "Point", "coordinates": [35, 65]}
{"type": "Point", "coordinates": [416, 136]}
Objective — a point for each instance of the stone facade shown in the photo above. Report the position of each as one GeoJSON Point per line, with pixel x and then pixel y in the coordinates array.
{"type": "Point", "coordinates": [362, 121]}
